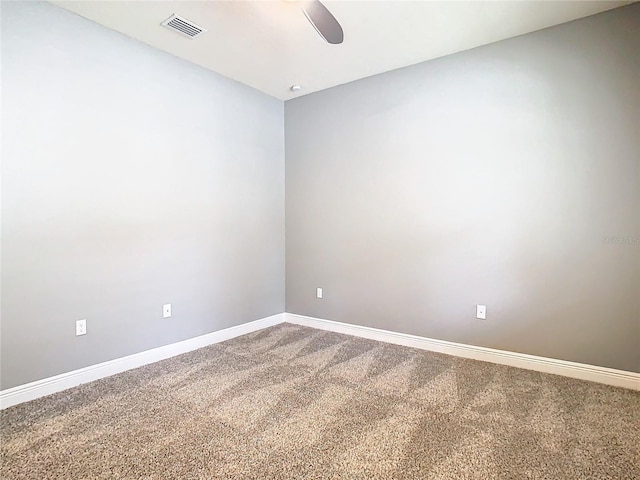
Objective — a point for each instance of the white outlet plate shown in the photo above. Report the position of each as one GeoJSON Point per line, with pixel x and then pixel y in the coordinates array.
{"type": "Point", "coordinates": [319, 292]}
{"type": "Point", "coordinates": [81, 327]}
{"type": "Point", "coordinates": [166, 310]}
{"type": "Point", "coordinates": [481, 312]}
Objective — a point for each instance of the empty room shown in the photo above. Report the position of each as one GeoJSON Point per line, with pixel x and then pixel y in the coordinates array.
{"type": "Point", "coordinates": [320, 239]}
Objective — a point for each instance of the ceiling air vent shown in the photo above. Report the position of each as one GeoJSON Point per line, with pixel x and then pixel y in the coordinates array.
{"type": "Point", "coordinates": [183, 26]}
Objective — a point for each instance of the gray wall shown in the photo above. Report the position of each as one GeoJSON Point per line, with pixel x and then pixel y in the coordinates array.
{"type": "Point", "coordinates": [490, 176]}
{"type": "Point", "coordinates": [130, 179]}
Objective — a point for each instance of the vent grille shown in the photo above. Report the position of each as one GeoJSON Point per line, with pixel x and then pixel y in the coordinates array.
{"type": "Point", "coordinates": [183, 26]}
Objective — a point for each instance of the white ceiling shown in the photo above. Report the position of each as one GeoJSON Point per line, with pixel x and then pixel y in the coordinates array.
{"type": "Point", "coordinates": [270, 45]}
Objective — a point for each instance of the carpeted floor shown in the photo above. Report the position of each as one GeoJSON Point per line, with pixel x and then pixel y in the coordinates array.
{"type": "Point", "coordinates": [291, 402]}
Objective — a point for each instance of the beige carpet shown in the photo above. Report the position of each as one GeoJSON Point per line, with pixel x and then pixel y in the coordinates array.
{"type": "Point", "coordinates": [297, 403]}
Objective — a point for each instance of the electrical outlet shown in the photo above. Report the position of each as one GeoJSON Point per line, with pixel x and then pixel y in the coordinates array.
{"type": "Point", "coordinates": [166, 310]}
{"type": "Point", "coordinates": [81, 327]}
{"type": "Point", "coordinates": [319, 292]}
{"type": "Point", "coordinates": [481, 312]}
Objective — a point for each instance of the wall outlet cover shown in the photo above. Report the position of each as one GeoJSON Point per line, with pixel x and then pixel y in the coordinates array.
{"type": "Point", "coordinates": [81, 327]}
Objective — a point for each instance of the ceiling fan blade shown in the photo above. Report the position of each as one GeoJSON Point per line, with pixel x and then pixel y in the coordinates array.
{"type": "Point", "coordinates": [322, 20]}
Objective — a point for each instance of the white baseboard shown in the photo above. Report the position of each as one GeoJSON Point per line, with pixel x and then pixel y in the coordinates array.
{"type": "Point", "coordinates": [608, 376]}
{"type": "Point", "coordinates": [47, 386]}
